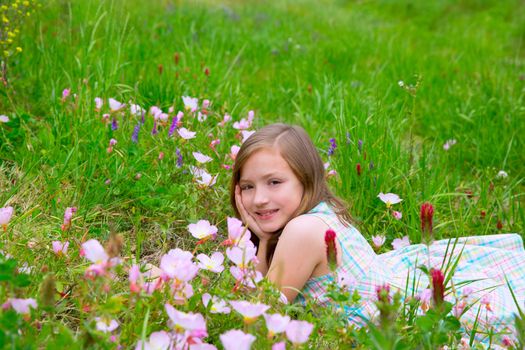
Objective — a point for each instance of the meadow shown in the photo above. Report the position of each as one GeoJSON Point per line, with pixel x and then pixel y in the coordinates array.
{"type": "Point", "coordinates": [421, 99]}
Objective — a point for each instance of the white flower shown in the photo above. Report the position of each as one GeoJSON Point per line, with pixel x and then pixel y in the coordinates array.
{"type": "Point", "coordinates": [378, 241]}
{"type": "Point", "coordinates": [106, 325]}
{"type": "Point", "coordinates": [389, 198]}
{"type": "Point", "coordinates": [115, 105]}
{"type": "Point", "coordinates": [502, 174]}
{"type": "Point", "coordinates": [186, 134]}
{"type": "Point", "coordinates": [4, 118]}
{"type": "Point", "coordinates": [201, 158]}
{"type": "Point", "coordinates": [190, 103]}
{"type": "Point", "coordinates": [449, 144]}
{"type": "Point", "coordinates": [136, 110]}
{"type": "Point", "coordinates": [98, 102]}
{"type": "Point", "coordinates": [399, 243]}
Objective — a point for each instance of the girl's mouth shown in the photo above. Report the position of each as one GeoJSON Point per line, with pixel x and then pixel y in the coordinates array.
{"type": "Point", "coordinates": [266, 214]}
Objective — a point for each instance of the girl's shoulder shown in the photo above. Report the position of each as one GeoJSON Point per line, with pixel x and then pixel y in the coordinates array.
{"type": "Point", "coordinates": [306, 227]}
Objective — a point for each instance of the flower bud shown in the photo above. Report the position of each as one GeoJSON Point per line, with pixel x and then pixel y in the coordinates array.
{"type": "Point", "coordinates": [427, 213]}
{"type": "Point", "coordinates": [438, 288]}
{"type": "Point", "coordinates": [331, 249]}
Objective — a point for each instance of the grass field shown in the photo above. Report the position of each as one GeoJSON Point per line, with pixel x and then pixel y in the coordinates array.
{"type": "Point", "coordinates": [391, 81]}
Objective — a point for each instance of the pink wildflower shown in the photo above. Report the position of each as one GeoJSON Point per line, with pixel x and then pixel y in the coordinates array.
{"type": "Point", "coordinates": [68, 215]}
{"type": "Point", "coordinates": [114, 105]}
{"type": "Point", "coordinates": [213, 263]}
{"type": "Point", "coordinates": [157, 341]}
{"type": "Point", "coordinates": [5, 216]}
{"type": "Point", "coordinates": [98, 103]}
{"type": "Point", "coordinates": [276, 323]}
{"type": "Point", "coordinates": [182, 321]}
{"type": "Point", "coordinates": [60, 248]}
{"type": "Point", "coordinates": [243, 124]}
{"type": "Point", "coordinates": [242, 256]}
{"type": "Point", "coordinates": [186, 134]}
{"type": "Point", "coordinates": [237, 340]}
{"type": "Point", "coordinates": [378, 241]}
{"type": "Point", "coordinates": [246, 134]}
{"type": "Point", "coordinates": [22, 306]}
{"type": "Point", "coordinates": [249, 311]}
{"type": "Point", "coordinates": [298, 331]}
{"type": "Point", "coordinates": [424, 297]}
{"type": "Point", "coordinates": [400, 243]}
{"type": "Point", "coordinates": [397, 215]}
{"type": "Point", "coordinates": [225, 119]}
{"type": "Point", "coordinates": [279, 346]}
{"type": "Point", "coordinates": [201, 158]}
{"type": "Point", "coordinates": [486, 300]}
{"type": "Point", "coordinates": [218, 305]}
{"type": "Point", "coordinates": [203, 230]}
{"type": "Point", "coordinates": [106, 325]}
{"type": "Point", "coordinates": [190, 103]}
{"type": "Point", "coordinates": [389, 199]}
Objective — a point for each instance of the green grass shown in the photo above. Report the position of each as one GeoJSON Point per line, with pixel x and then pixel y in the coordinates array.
{"type": "Point", "coordinates": [331, 66]}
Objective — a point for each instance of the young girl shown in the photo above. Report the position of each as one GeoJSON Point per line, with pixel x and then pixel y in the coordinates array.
{"type": "Point", "coordinates": [279, 190]}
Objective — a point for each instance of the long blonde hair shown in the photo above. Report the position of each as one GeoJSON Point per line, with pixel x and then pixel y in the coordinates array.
{"type": "Point", "coordinates": [296, 147]}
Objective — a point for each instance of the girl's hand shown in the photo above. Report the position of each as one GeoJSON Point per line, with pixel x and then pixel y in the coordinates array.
{"type": "Point", "coordinates": [247, 219]}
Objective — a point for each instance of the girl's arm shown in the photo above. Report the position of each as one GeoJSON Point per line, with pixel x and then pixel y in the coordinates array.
{"type": "Point", "coordinates": [300, 253]}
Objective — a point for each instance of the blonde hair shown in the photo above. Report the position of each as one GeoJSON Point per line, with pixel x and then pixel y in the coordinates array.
{"type": "Point", "coordinates": [296, 147]}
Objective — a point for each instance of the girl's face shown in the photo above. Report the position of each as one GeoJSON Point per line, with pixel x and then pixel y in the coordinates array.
{"type": "Point", "coordinates": [270, 191]}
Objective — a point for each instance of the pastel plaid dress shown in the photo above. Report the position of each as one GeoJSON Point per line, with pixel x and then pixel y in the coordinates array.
{"type": "Point", "coordinates": [487, 266]}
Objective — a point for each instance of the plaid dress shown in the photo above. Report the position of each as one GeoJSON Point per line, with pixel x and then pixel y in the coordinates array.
{"type": "Point", "coordinates": [487, 266]}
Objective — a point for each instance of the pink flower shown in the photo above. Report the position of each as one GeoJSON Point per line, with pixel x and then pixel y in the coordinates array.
{"type": "Point", "coordinates": [106, 325]}
{"type": "Point", "coordinates": [22, 306]}
{"type": "Point", "coordinates": [60, 248]}
{"type": "Point", "coordinates": [136, 110]}
{"type": "Point", "coordinates": [449, 143]}
{"type": "Point", "coordinates": [213, 263]}
{"type": "Point", "coordinates": [218, 305]}
{"type": "Point", "coordinates": [233, 151]}
{"type": "Point", "coordinates": [203, 230]}
{"type": "Point", "coordinates": [279, 346]}
{"type": "Point", "coordinates": [205, 104]}
{"type": "Point", "coordinates": [185, 321]}
{"type": "Point", "coordinates": [115, 105]}
{"type": "Point", "coordinates": [68, 215]}
{"type": "Point", "coordinates": [438, 288]}
{"type": "Point", "coordinates": [98, 103]}
{"type": "Point", "coordinates": [458, 308]}
{"type": "Point", "coordinates": [4, 119]}
{"type": "Point", "coordinates": [202, 346]}
{"type": "Point", "coordinates": [298, 331]}
{"type": "Point", "coordinates": [276, 323]}
{"type": "Point", "coordinates": [205, 179]}
{"type": "Point", "coordinates": [246, 134]}
{"type": "Point", "coordinates": [224, 120]}
{"type": "Point", "coordinates": [486, 300]}
{"type": "Point", "coordinates": [157, 341]}
{"type": "Point", "coordinates": [178, 264]}
{"type": "Point", "coordinates": [135, 279]}
{"type": "Point", "coordinates": [399, 243]}
{"type": "Point", "coordinates": [389, 198]}
{"type": "Point", "coordinates": [190, 103]}
{"type": "Point", "coordinates": [241, 256]}
{"type": "Point", "coordinates": [243, 124]}
{"type": "Point", "coordinates": [331, 249]}
{"type": "Point", "coordinates": [201, 158]}
{"type": "Point", "coordinates": [424, 297]}
{"type": "Point", "coordinates": [65, 93]}
{"type": "Point", "coordinates": [5, 216]}
{"type": "Point", "coordinates": [397, 215]}
{"type": "Point", "coordinates": [238, 235]}
{"type": "Point", "coordinates": [247, 277]}
{"type": "Point", "coordinates": [249, 311]}
{"type": "Point", "coordinates": [94, 252]}
{"type": "Point", "coordinates": [378, 241]}
{"type": "Point", "coordinates": [237, 340]}
{"type": "Point", "coordinates": [186, 134]}
{"type": "Point", "coordinates": [112, 142]}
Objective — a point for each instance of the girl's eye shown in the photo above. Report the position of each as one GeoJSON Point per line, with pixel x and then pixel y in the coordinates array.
{"type": "Point", "coordinates": [275, 182]}
{"type": "Point", "coordinates": [245, 187]}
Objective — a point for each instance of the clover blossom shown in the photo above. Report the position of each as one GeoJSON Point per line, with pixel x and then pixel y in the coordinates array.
{"type": "Point", "coordinates": [438, 289]}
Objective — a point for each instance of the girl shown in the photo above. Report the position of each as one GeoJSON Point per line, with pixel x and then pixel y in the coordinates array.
{"type": "Point", "coordinates": [279, 190]}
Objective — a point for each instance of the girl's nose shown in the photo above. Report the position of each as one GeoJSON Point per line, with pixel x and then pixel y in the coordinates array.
{"type": "Point", "coordinates": [261, 197]}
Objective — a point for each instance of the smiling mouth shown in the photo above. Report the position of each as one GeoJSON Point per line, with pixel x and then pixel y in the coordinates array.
{"type": "Point", "coordinates": [266, 214]}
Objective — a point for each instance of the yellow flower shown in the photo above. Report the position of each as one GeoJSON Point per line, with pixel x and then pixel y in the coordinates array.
{"type": "Point", "coordinates": [19, 49]}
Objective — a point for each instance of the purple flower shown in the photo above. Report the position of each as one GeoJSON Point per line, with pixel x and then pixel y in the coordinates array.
{"type": "Point", "coordinates": [360, 145]}
{"type": "Point", "coordinates": [114, 124]}
{"type": "Point", "coordinates": [154, 131]}
{"type": "Point", "coordinates": [143, 120]}
{"type": "Point", "coordinates": [173, 126]}
{"type": "Point", "coordinates": [333, 146]}
{"type": "Point", "coordinates": [135, 136]}
{"type": "Point", "coordinates": [179, 158]}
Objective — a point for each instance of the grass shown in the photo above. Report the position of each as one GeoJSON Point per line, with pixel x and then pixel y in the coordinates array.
{"type": "Point", "coordinates": [333, 67]}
